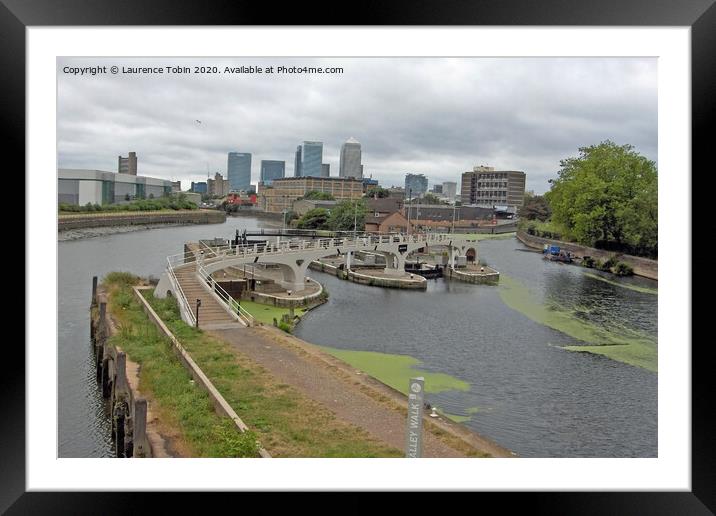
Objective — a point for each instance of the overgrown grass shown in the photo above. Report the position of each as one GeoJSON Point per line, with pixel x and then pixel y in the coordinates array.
{"type": "Point", "coordinates": [180, 403]}
{"type": "Point", "coordinates": [288, 423]}
{"type": "Point", "coordinates": [266, 313]}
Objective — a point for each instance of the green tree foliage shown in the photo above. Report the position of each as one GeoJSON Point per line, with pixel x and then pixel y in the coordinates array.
{"type": "Point", "coordinates": [316, 218]}
{"type": "Point", "coordinates": [378, 192]}
{"type": "Point", "coordinates": [429, 198]}
{"type": "Point", "coordinates": [345, 213]}
{"type": "Point", "coordinates": [535, 207]}
{"type": "Point", "coordinates": [319, 196]}
{"type": "Point", "coordinates": [607, 197]}
{"type": "Point", "coordinates": [173, 202]}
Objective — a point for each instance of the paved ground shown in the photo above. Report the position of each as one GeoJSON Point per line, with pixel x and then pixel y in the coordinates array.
{"type": "Point", "coordinates": [350, 394]}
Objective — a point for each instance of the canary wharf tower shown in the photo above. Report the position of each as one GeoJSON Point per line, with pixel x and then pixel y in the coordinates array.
{"type": "Point", "coordinates": [350, 159]}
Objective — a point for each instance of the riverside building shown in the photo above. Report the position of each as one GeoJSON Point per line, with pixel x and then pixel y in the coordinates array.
{"type": "Point", "coordinates": [82, 186]}
{"type": "Point", "coordinates": [485, 186]}
{"type": "Point", "coordinates": [283, 192]}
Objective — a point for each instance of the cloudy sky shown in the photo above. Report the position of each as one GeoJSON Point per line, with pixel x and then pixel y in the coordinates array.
{"type": "Point", "coordinates": [439, 117]}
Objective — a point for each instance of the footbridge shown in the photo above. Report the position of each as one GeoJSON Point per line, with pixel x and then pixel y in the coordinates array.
{"type": "Point", "coordinates": [293, 258]}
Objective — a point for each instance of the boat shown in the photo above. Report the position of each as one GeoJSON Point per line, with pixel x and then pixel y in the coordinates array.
{"type": "Point", "coordinates": [553, 253]}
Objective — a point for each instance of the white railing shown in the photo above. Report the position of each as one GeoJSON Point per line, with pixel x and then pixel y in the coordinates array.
{"type": "Point", "coordinates": [218, 253]}
{"type": "Point", "coordinates": [233, 306]}
{"type": "Point", "coordinates": [181, 297]}
{"type": "Point", "coordinates": [212, 254]}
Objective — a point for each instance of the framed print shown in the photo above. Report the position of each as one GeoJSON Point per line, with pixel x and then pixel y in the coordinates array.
{"type": "Point", "coordinates": [429, 235]}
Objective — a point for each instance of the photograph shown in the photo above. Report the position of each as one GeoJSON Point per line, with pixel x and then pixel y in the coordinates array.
{"type": "Point", "coordinates": [419, 253]}
{"type": "Point", "coordinates": [343, 257]}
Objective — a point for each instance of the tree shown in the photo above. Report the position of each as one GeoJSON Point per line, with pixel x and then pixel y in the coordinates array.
{"type": "Point", "coordinates": [607, 195]}
{"type": "Point", "coordinates": [378, 192]}
{"type": "Point", "coordinates": [429, 198]}
{"type": "Point", "coordinates": [346, 213]}
{"type": "Point", "coordinates": [535, 207]}
{"type": "Point", "coordinates": [314, 219]}
{"type": "Point", "coordinates": [319, 196]}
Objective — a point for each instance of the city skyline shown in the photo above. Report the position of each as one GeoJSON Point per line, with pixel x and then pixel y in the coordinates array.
{"type": "Point", "coordinates": [437, 116]}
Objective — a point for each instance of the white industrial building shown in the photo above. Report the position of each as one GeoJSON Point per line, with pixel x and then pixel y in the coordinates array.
{"type": "Point", "coordinates": [82, 186]}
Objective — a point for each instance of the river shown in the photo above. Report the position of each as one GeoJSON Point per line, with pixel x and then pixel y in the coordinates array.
{"type": "Point", "coordinates": [525, 391]}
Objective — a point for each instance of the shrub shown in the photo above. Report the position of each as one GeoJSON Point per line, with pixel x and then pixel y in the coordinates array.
{"type": "Point", "coordinates": [607, 264]}
{"type": "Point", "coordinates": [122, 279]}
{"type": "Point", "coordinates": [284, 326]}
{"type": "Point", "coordinates": [623, 269]}
{"type": "Point", "coordinates": [589, 262]}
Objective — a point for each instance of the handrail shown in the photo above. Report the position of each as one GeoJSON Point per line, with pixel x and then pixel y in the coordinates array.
{"type": "Point", "coordinates": [181, 297]}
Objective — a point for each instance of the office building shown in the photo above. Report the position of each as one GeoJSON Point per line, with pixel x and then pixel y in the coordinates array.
{"type": "Point", "coordinates": [450, 190]}
{"type": "Point", "coordinates": [176, 186]}
{"type": "Point", "coordinates": [437, 189]}
{"type": "Point", "coordinates": [201, 187]}
{"type": "Point", "coordinates": [283, 192]}
{"type": "Point", "coordinates": [128, 165]}
{"type": "Point", "coordinates": [350, 164]}
{"type": "Point", "coordinates": [311, 159]}
{"type": "Point", "coordinates": [297, 163]}
{"type": "Point", "coordinates": [416, 185]}
{"type": "Point", "coordinates": [326, 170]}
{"type": "Point", "coordinates": [272, 169]}
{"type": "Point", "coordinates": [485, 186]}
{"type": "Point", "coordinates": [82, 186]}
{"type": "Point", "coordinates": [238, 170]}
{"type": "Point", "coordinates": [217, 187]}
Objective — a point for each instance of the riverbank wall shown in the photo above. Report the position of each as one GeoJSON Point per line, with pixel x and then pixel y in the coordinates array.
{"type": "Point", "coordinates": [67, 222]}
{"type": "Point", "coordinates": [642, 266]}
{"type": "Point", "coordinates": [128, 411]}
{"type": "Point", "coordinates": [365, 279]}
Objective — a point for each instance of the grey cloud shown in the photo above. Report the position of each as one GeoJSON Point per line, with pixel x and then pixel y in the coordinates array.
{"type": "Point", "coordinates": [434, 116]}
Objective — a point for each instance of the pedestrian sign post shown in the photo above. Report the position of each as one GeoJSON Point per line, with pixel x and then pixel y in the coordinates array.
{"type": "Point", "coordinates": [414, 436]}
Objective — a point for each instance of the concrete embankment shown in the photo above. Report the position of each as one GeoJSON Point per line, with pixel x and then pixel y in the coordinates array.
{"type": "Point", "coordinates": [82, 221]}
{"type": "Point", "coordinates": [488, 277]}
{"type": "Point", "coordinates": [642, 266]}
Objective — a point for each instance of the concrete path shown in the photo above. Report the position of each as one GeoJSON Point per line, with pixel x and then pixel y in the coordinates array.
{"type": "Point", "coordinates": [351, 395]}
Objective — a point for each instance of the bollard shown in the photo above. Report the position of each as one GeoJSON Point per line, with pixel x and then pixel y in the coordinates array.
{"type": "Point", "coordinates": [93, 303]}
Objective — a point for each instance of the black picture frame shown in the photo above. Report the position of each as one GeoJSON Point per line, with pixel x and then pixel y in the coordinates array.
{"type": "Point", "coordinates": [700, 15]}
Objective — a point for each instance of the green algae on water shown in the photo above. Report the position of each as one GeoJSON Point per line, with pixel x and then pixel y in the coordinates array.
{"type": "Point", "coordinates": [645, 290]}
{"type": "Point", "coordinates": [459, 418]}
{"type": "Point", "coordinates": [626, 345]}
{"type": "Point", "coordinates": [396, 370]}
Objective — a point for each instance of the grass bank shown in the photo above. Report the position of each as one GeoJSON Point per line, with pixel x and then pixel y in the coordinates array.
{"type": "Point", "coordinates": [178, 402]}
{"type": "Point", "coordinates": [287, 423]}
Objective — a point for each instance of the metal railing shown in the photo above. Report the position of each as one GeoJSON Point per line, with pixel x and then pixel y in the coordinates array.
{"type": "Point", "coordinates": [234, 307]}
{"type": "Point", "coordinates": [213, 254]}
{"type": "Point", "coordinates": [181, 297]}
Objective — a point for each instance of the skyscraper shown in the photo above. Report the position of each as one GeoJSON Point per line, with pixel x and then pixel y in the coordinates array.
{"type": "Point", "coordinates": [239, 170]}
{"type": "Point", "coordinates": [311, 159]}
{"type": "Point", "coordinates": [272, 169]}
{"type": "Point", "coordinates": [415, 185]}
{"type": "Point", "coordinates": [297, 163]}
{"type": "Point", "coordinates": [326, 170]}
{"type": "Point", "coordinates": [350, 165]}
